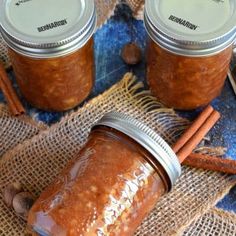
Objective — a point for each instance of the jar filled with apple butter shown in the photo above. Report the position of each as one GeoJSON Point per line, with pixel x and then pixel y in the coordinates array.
{"type": "Point", "coordinates": [51, 50]}
{"type": "Point", "coordinates": [189, 49]}
{"type": "Point", "coordinates": [111, 185]}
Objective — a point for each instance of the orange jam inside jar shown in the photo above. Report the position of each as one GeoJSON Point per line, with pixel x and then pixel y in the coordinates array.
{"type": "Point", "coordinates": [51, 50]}
{"type": "Point", "coordinates": [111, 185]}
{"type": "Point", "coordinates": [189, 49]}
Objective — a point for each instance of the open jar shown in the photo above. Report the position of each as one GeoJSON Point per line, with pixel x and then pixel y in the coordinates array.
{"type": "Point", "coordinates": [111, 185]}
{"type": "Point", "coordinates": [51, 49]}
{"type": "Point", "coordinates": [189, 49]}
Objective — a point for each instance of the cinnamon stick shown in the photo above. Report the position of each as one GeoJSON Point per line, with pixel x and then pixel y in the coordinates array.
{"type": "Point", "coordinates": [197, 137]}
{"type": "Point", "coordinates": [195, 133]}
{"type": "Point", "coordinates": [13, 101]}
{"type": "Point", "coordinates": [193, 136]}
{"type": "Point", "coordinates": [193, 128]}
{"type": "Point", "coordinates": [206, 162]}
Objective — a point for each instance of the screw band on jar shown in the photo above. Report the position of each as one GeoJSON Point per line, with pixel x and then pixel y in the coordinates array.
{"type": "Point", "coordinates": [193, 30]}
{"type": "Point", "coordinates": [147, 138]}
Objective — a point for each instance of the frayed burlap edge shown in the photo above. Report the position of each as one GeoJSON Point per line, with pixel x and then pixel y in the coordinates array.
{"type": "Point", "coordinates": [129, 83]}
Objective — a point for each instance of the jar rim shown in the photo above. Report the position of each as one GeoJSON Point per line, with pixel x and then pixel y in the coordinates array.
{"type": "Point", "coordinates": [51, 40]}
{"type": "Point", "coordinates": [147, 138]}
{"type": "Point", "coordinates": [181, 36]}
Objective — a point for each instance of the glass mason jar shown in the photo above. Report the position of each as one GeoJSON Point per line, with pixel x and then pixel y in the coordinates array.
{"type": "Point", "coordinates": [189, 49]}
{"type": "Point", "coordinates": [51, 49]}
{"type": "Point", "coordinates": [111, 185]}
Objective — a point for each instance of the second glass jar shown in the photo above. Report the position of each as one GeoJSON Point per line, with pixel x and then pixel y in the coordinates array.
{"type": "Point", "coordinates": [53, 57]}
{"type": "Point", "coordinates": [185, 82]}
{"type": "Point", "coordinates": [189, 50]}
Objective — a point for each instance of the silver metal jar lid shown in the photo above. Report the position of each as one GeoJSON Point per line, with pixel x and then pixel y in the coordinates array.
{"type": "Point", "coordinates": [45, 29]}
{"type": "Point", "coordinates": [191, 28]}
{"type": "Point", "coordinates": [147, 138]}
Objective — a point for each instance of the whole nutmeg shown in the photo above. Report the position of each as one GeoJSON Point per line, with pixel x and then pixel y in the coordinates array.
{"type": "Point", "coordinates": [131, 54]}
{"type": "Point", "coordinates": [22, 203]}
{"type": "Point", "coordinates": [10, 191]}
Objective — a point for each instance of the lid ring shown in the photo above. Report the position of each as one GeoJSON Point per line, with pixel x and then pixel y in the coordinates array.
{"type": "Point", "coordinates": [176, 38]}
{"type": "Point", "coordinates": [53, 42]}
{"type": "Point", "coordinates": [148, 139]}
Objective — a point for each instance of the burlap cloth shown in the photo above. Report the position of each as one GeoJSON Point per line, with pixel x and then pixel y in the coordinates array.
{"type": "Point", "coordinates": [37, 161]}
{"type": "Point", "coordinates": [214, 223]}
{"type": "Point", "coordinates": [16, 130]}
